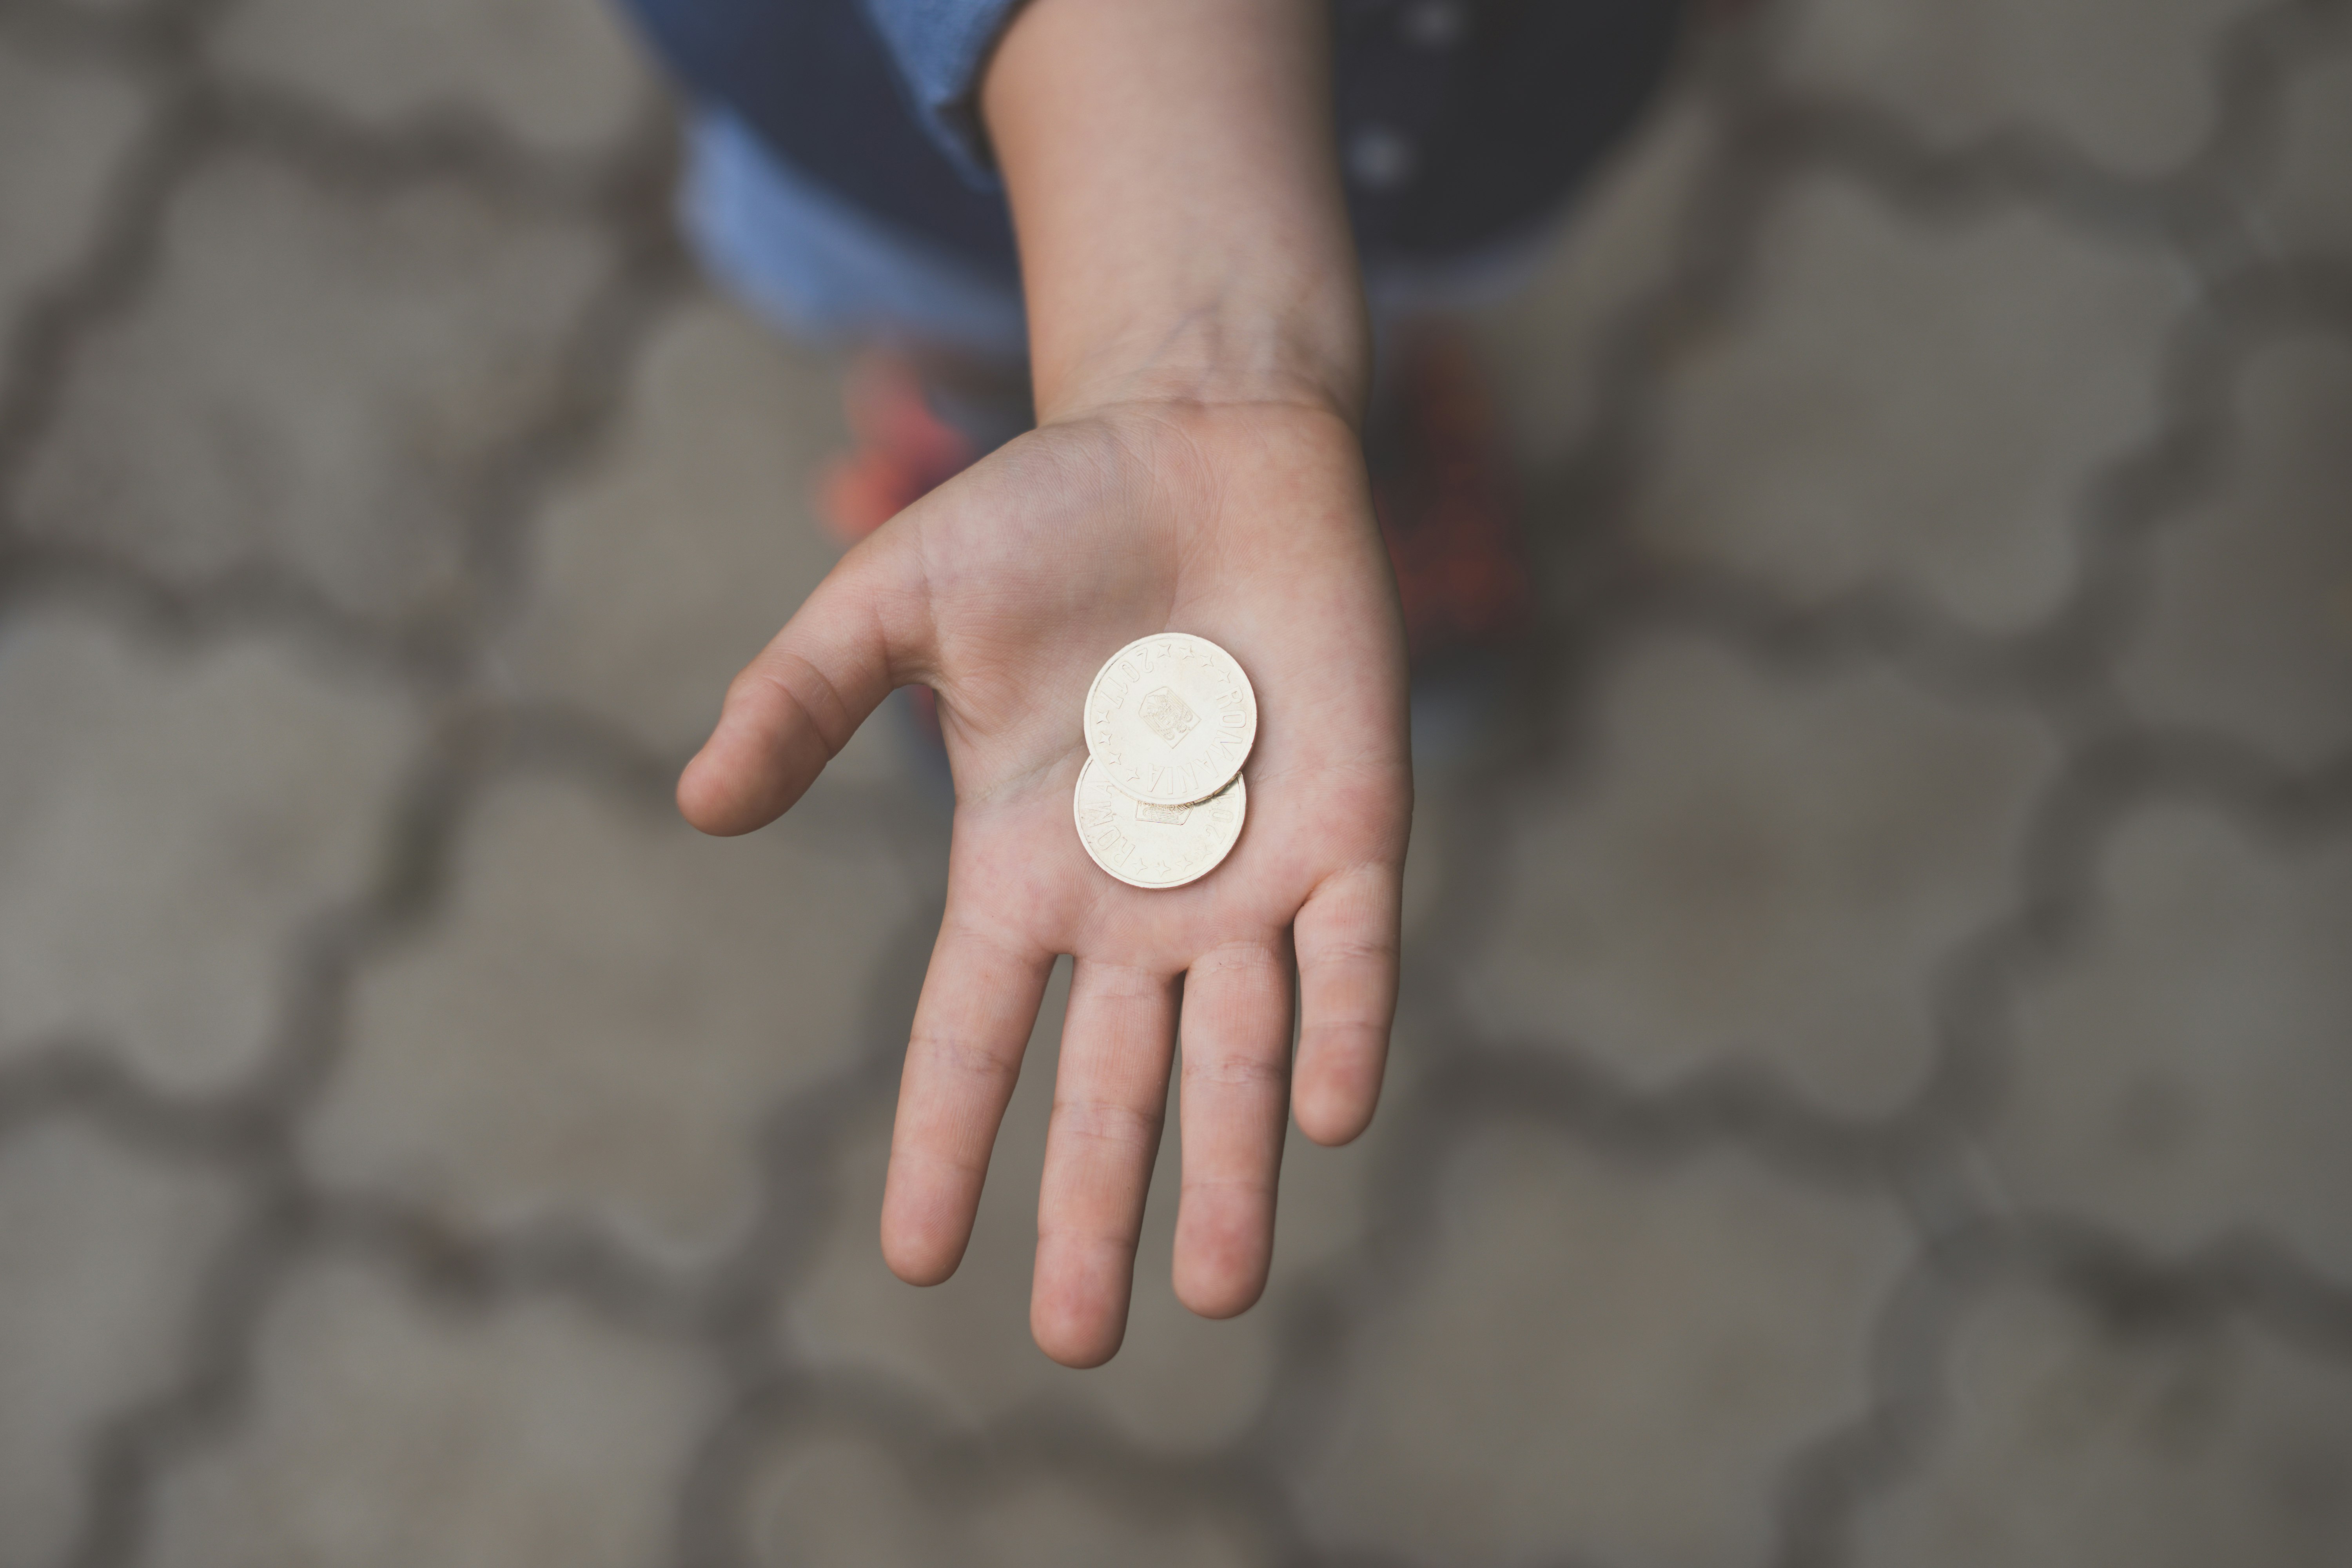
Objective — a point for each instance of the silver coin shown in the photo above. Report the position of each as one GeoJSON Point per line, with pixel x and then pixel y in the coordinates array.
{"type": "Point", "coordinates": [1148, 846]}
{"type": "Point", "coordinates": [1170, 719]}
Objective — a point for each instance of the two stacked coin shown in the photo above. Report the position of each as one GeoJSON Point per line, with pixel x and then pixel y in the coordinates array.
{"type": "Point", "coordinates": [1169, 720]}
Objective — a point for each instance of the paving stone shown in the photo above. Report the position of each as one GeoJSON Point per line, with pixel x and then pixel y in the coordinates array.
{"type": "Point", "coordinates": [604, 1013]}
{"type": "Point", "coordinates": [169, 818]}
{"type": "Point", "coordinates": [2129, 82]}
{"type": "Point", "coordinates": [64, 133]}
{"type": "Point", "coordinates": [1546, 345]}
{"type": "Point", "coordinates": [846, 1504]}
{"type": "Point", "coordinates": [1178, 1383]}
{"type": "Point", "coordinates": [101, 1250]}
{"type": "Point", "coordinates": [1909, 403]}
{"type": "Point", "coordinates": [1769, 870]}
{"type": "Point", "coordinates": [561, 75]}
{"type": "Point", "coordinates": [1598, 1363]}
{"type": "Point", "coordinates": [2248, 629]}
{"type": "Point", "coordinates": [2074, 1441]}
{"type": "Point", "coordinates": [1053, 1523]}
{"type": "Point", "coordinates": [2184, 1074]}
{"type": "Point", "coordinates": [317, 379]}
{"type": "Point", "coordinates": [388, 1430]}
{"type": "Point", "coordinates": [2305, 203]}
{"type": "Point", "coordinates": [662, 568]}
{"type": "Point", "coordinates": [835, 1502]}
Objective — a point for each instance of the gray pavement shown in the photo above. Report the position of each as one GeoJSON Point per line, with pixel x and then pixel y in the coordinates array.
{"type": "Point", "coordinates": [1874, 1084]}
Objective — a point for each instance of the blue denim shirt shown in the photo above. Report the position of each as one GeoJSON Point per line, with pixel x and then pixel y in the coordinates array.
{"type": "Point", "coordinates": [1464, 124]}
{"type": "Point", "coordinates": [939, 48]}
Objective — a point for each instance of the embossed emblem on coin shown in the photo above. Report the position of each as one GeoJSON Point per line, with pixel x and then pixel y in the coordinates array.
{"type": "Point", "coordinates": [1170, 719]}
{"type": "Point", "coordinates": [1148, 846]}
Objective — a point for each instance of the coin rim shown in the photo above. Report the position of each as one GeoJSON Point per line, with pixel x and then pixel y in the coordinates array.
{"type": "Point", "coordinates": [1249, 689]}
{"type": "Point", "coordinates": [1077, 795]}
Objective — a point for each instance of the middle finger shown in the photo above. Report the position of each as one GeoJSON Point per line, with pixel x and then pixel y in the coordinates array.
{"type": "Point", "coordinates": [1110, 1099]}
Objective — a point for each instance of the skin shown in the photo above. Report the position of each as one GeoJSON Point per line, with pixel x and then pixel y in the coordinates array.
{"type": "Point", "coordinates": [1199, 357]}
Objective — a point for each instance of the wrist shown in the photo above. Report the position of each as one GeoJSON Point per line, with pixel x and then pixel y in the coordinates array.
{"type": "Point", "coordinates": [1176, 196]}
{"type": "Point", "coordinates": [1213, 355]}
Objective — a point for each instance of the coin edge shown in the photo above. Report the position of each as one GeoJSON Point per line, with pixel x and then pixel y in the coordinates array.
{"type": "Point", "coordinates": [1077, 793]}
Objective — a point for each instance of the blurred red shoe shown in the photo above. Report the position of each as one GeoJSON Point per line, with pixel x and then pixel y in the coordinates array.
{"type": "Point", "coordinates": [1443, 488]}
{"type": "Point", "coordinates": [904, 449]}
{"type": "Point", "coordinates": [904, 452]}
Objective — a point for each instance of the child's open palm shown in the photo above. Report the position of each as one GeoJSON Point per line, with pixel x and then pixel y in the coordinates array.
{"type": "Point", "coordinates": [1004, 591]}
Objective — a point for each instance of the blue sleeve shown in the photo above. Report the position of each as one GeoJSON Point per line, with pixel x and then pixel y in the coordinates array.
{"type": "Point", "coordinates": [939, 48]}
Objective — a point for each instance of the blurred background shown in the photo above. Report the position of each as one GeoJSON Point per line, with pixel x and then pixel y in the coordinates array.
{"type": "Point", "coordinates": [1874, 1083]}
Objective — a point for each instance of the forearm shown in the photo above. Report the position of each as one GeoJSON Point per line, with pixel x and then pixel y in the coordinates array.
{"type": "Point", "coordinates": [1176, 196]}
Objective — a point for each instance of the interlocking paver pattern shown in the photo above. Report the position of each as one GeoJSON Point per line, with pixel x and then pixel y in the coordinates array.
{"type": "Point", "coordinates": [511, 1058]}
{"type": "Point", "coordinates": [513, 1433]}
{"type": "Point", "coordinates": [68, 129]}
{"type": "Point", "coordinates": [2075, 1434]}
{"type": "Point", "coordinates": [175, 818]}
{"type": "Point", "coordinates": [2181, 1075]}
{"type": "Point", "coordinates": [846, 1502]}
{"type": "Point", "coordinates": [1685, 1317]}
{"type": "Point", "coordinates": [560, 76]}
{"type": "Point", "coordinates": [103, 1248]}
{"type": "Point", "coordinates": [1870, 1087]}
{"type": "Point", "coordinates": [1981, 368]}
{"type": "Point", "coordinates": [654, 566]}
{"type": "Point", "coordinates": [2248, 629]}
{"type": "Point", "coordinates": [2129, 82]}
{"type": "Point", "coordinates": [1768, 872]}
{"type": "Point", "coordinates": [320, 381]}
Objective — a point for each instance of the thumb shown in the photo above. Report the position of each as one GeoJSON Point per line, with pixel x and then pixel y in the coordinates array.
{"type": "Point", "coordinates": [795, 706]}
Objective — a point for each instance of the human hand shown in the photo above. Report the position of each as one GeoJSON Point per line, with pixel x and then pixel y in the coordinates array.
{"type": "Point", "coordinates": [1005, 590]}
